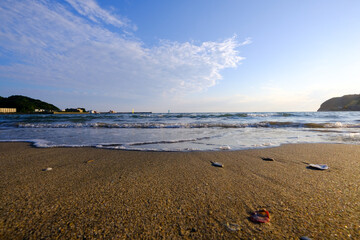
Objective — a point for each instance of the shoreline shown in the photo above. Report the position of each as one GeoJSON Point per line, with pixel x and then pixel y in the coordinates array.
{"type": "Point", "coordinates": [102, 193]}
{"type": "Point", "coordinates": [34, 144]}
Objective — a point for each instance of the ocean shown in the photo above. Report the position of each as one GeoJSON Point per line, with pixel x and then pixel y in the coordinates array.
{"type": "Point", "coordinates": [181, 131]}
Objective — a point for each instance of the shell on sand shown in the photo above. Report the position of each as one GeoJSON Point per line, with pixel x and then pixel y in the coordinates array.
{"type": "Point", "coordinates": [232, 227]}
{"type": "Point", "coordinates": [216, 164]}
{"type": "Point", "coordinates": [318, 166]}
{"type": "Point", "coordinates": [261, 216]}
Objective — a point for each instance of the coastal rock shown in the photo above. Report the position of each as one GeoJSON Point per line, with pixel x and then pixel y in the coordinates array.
{"type": "Point", "coordinates": [344, 103]}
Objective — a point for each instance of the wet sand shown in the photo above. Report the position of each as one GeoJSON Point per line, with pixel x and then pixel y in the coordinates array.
{"type": "Point", "coordinates": [111, 194]}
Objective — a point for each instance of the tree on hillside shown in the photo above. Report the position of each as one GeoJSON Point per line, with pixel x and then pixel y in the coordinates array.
{"type": "Point", "coordinates": [25, 104]}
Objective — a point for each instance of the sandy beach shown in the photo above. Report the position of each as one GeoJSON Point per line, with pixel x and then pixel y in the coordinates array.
{"type": "Point", "coordinates": [111, 194]}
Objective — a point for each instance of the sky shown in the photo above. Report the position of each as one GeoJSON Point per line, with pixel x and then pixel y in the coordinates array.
{"type": "Point", "coordinates": [182, 56]}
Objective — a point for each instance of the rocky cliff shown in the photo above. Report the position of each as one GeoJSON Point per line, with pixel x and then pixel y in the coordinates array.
{"type": "Point", "coordinates": [344, 103]}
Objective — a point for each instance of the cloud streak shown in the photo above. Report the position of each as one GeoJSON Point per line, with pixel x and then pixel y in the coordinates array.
{"type": "Point", "coordinates": [48, 44]}
{"type": "Point", "coordinates": [91, 10]}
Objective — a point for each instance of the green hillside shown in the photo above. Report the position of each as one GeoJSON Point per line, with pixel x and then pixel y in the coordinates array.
{"type": "Point", "coordinates": [25, 104]}
{"type": "Point", "coordinates": [344, 103]}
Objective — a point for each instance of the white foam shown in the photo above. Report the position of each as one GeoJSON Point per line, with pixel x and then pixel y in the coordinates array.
{"type": "Point", "coordinates": [225, 147]}
{"type": "Point", "coordinates": [182, 132]}
{"type": "Point", "coordinates": [36, 142]}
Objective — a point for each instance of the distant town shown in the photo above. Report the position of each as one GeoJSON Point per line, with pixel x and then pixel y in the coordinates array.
{"type": "Point", "coordinates": [83, 111]}
{"type": "Point", "coordinates": [22, 104]}
{"type": "Point", "coordinates": [66, 111]}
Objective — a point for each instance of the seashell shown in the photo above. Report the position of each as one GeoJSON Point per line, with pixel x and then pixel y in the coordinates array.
{"type": "Point", "coordinates": [261, 216]}
{"type": "Point", "coordinates": [318, 166]}
{"type": "Point", "coordinates": [232, 227]}
{"type": "Point", "coordinates": [216, 164]}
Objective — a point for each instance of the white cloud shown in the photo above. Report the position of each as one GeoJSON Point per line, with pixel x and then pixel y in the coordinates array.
{"type": "Point", "coordinates": [48, 45]}
{"type": "Point", "coordinates": [189, 67]}
{"type": "Point", "coordinates": [91, 10]}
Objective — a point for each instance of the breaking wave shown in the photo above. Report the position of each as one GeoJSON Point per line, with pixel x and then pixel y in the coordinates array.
{"type": "Point", "coordinates": [181, 131]}
{"type": "Point", "coordinates": [265, 124]}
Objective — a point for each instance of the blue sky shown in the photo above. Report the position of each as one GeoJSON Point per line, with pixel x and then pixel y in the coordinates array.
{"type": "Point", "coordinates": [186, 56]}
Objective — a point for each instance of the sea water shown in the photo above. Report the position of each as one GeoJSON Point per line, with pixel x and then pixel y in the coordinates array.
{"type": "Point", "coordinates": [181, 131]}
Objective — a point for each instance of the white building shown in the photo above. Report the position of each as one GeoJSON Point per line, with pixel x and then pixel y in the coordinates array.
{"type": "Point", "coordinates": [7, 110]}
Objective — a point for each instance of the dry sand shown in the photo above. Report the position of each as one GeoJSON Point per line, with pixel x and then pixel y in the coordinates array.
{"type": "Point", "coordinates": [137, 195]}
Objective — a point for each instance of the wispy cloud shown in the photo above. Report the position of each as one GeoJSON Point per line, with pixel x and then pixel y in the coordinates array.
{"type": "Point", "coordinates": [50, 45]}
{"type": "Point", "coordinates": [91, 10]}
